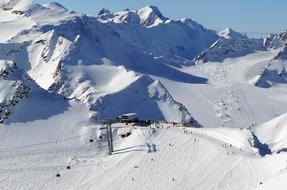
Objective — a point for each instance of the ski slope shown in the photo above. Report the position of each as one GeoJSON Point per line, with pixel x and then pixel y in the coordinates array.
{"type": "Point", "coordinates": [62, 73]}
{"type": "Point", "coordinates": [37, 148]}
{"type": "Point", "coordinates": [33, 153]}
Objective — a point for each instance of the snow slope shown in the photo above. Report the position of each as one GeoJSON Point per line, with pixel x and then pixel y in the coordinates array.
{"type": "Point", "coordinates": [62, 73]}
{"type": "Point", "coordinates": [150, 158]}
{"type": "Point", "coordinates": [273, 133]}
{"type": "Point", "coordinates": [230, 99]}
{"type": "Point", "coordinates": [109, 89]}
{"type": "Point", "coordinates": [61, 39]}
{"type": "Point", "coordinates": [56, 46]}
{"type": "Point", "coordinates": [12, 23]}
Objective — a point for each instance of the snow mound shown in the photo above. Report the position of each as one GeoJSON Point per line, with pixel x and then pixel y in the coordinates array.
{"type": "Point", "coordinates": [273, 133]}
{"type": "Point", "coordinates": [108, 90]}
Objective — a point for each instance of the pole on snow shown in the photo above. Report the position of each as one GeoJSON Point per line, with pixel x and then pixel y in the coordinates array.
{"type": "Point", "coordinates": [110, 138]}
{"type": "Point", "coordinates": [182, 116]}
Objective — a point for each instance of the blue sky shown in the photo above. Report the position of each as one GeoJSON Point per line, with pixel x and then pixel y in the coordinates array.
{"type": "Point", "coordinates": [242, 15]}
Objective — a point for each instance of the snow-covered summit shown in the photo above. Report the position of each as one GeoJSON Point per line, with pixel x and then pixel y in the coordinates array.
{"type": "Point", "coordinates": [55, 6]}
{"type": "Point", "coordinates": [231, 44]}
{"type": "Point", "coordinates": [169, 40]}
{"type": "Point", "coordinates": [151, 16]}
{"type": "Point", "coordinates": [148, 16]}
{"type": "Point", "coordinates": [229, 33]}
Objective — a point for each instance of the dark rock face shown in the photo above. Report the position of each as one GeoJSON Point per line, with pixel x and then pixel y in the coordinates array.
{"type": "Point", "coordinates": [19, 88]}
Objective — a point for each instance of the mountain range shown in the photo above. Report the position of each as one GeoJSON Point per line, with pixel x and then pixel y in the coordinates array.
{"type": "Point", "coordinates": [63, 73]}
{"type": "Point", "coordinates": [64, 53]}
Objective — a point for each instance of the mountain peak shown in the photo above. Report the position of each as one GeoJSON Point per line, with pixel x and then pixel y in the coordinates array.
{"type": "Point", "coordinates": [55, 6]}
{"type": "Point", "coordinates": [150, 9]}
{"type": "Point", "coordinates": [151, 16]}
{"type": "Point", "coordinates": [229, 33]}
{"type": "Point", "coordinates": [104, 11]}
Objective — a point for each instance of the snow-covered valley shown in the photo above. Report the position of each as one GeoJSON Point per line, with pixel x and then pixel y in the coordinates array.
{"type": "Point", "coordinates": [216, 101]}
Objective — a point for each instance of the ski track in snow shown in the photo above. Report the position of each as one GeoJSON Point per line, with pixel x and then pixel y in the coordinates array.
{"type": "Point", "coordinates": [205, 162]}
{"type": "Point", "coordinates": [229, 99]}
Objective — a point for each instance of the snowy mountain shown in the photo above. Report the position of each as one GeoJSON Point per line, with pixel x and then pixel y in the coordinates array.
{"type": "Point", "coordinates": [174, 42]}
{"type": "Point", "coordinates": [275, 72]}
{"type": "Point", "coordinates": [274, 41]}
{"type": "Point", "coordinates": [231, 44]}
{"type": "Point", "coordinates": [63, 52]}
{"type": "Point", "coordinates": [228, 33]}
{"type": "Point", "coordinates": [149, 16]}
{"type": "Point", "coordinates": [62, 74]}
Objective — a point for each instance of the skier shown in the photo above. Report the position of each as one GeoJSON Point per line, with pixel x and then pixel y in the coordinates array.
{"type": "Point", "coordinates": [149, 148]}
{"type": "Point", "coordinates": [154, 147]}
